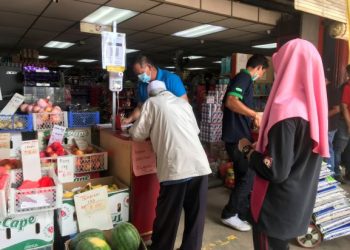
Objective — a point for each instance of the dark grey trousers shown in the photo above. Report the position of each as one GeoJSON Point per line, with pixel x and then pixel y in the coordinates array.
{"type": "Point", "coordinates": [192, 197]}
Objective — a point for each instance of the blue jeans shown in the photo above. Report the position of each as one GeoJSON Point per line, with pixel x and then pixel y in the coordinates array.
{"type": "Point", "coordinates": [340, 142]}
{"type": "Point", "coordinates": [330, 160]}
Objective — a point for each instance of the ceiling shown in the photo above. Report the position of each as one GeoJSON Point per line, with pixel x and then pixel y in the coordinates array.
{"type": "Point", "coordinates": [31, 24]}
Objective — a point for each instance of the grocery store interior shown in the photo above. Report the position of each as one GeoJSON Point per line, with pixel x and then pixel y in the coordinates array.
{"type": "Point", "coordinates": [60, 133]}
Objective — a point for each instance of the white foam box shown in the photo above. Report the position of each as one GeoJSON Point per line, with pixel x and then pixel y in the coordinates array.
{"type": "Point", "coordinates": [30, 231]}
{"type": "Point", "coordinates": [118, 203]}
{"type": "Point", "coordinates": [3, 198]}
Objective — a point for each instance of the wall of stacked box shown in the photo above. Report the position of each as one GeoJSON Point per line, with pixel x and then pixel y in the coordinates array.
{"type": "Point", "coordinates": [47, 162]}
{"type": "Point", "coordinates": [211, 116]}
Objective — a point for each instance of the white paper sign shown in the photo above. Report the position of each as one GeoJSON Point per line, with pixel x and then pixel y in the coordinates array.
{"type": "Point", "coordinates": [65, 169]}
{"type": "Point", "coordinates": [113, 49]}
{"type": "Point", "coordinates": [81, 144]}
{"type": "Point", "coordinates": [13, 105]}
{"type": "Point", "coordinates": [93, 210]}
{"type": "Point", "coordinates": [31, 160]}
{"type": "Point", "coordinates": [57, 134]}
{"type": "Point", "coordinates": [5, 145]}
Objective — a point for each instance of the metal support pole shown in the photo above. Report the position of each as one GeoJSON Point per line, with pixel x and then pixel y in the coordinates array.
{"type": "Point", "coordinates": [114, 99]}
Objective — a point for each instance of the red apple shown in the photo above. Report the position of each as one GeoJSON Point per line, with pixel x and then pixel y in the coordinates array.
{"type": "Point", "coordinates": [49, 150]}
{"type": "Point", "coordinates": [42, 154]}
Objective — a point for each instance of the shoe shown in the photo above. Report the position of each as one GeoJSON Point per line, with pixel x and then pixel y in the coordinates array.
{"type": "Point", "coordinates": [236, 223]}
{"type": "Point", "coordinates": [340, 179]}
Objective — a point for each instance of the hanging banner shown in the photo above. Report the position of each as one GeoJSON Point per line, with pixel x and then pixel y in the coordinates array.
{"type": "Point", "coordinates": [113, 51]}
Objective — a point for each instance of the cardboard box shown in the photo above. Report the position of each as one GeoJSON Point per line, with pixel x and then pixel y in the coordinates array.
{"type": "Point", "coordinates": [27, 231]}
{"type": "Point", "coordinates": [118, 203]}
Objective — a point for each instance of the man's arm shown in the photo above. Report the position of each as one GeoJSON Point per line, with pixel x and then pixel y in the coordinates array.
{"type": "Point", "coordinates": [134, 115]}
{"type": "Point", "coordinates": [185, 97]}
{"type": "Point", "coordinates": [142, 127]}
{"type": "Point", "coordinates": [333, 111]}
{"type": "Point", "coordinates": [235, 105]}
{"type": "Point", "coordinates": [345, 111]}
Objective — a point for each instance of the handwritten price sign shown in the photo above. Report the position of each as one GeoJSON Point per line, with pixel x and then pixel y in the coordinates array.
{"type": "Point", "coordinates": [65, 169]}
{"type": "Point", "coordinates": [93, 210]}
{"type": "Point", "coordinates": [31, 160]}
{"type": "Point", "coordinates": [57, 134]}
{"type": "Point", "coordinates": [5, 139]}
{"type": "Point", "coordinates": [13, 105]}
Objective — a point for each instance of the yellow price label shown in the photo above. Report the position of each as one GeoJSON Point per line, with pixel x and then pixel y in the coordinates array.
{"type": "Point", "coordinates": [115, 68]}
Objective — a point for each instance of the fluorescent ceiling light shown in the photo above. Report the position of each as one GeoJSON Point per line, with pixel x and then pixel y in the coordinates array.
{"type": "Point", "coordinates": [217, 62]}
{"type": "Point", "coordinates": [195, 68]}
{"type": "Point", "coordinates": [106, 15]}
{"type": "Point", "coordinates": [42, 57]}
{"type": "Point", "coordinates": [200, 30]}
{"type": "Point", "coordinates": [131, 51]}
{"type": "Point", "coordinates": [170, 67]}
{"type": "Point", "coordinates": [87, 60]}
{"type": "Point", "coordinates": [65, 66]}
{"type": "Point", "coordinates": [58, 45]}
{"type": "Point", "coordinates": [266, 46]}
{"type": "Point", "coordinates": [194, 57]}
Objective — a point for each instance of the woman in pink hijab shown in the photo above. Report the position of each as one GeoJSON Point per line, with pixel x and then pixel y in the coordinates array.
{"type": "Point", "coordinates": [292, 142]}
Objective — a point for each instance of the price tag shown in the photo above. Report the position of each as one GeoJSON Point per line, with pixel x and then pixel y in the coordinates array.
{"type": "Point", "coordinates": [93, 210]}
{"type": "Point", "coordinates": [65, 169]}
{"type": "Point", "coordinates": [57, 134]}
{"type": "Point", "coordinates": [13, 105]}
{"type": "Point", "coordinates": [5, 145]}
{"type": "Point", "coordinates": [31, 160]}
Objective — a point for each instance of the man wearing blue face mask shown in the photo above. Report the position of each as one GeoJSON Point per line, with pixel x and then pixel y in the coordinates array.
{"type": "Point", "coordinates": [146, 72]}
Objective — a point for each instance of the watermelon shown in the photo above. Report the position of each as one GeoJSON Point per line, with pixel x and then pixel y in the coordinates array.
{"type": "Point", "coordinates": [92, 243]}
{"type": "Point", "coordinates": [125, 237]}
{"type": "Point", "coordinates": [85, 234]}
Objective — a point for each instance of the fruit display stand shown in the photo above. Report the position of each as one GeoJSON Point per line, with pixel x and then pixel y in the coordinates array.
{"type": "Point", "coordinates": [34, 199]}
{"type": "Point", "coordinates": [43, 121]}
{"type": "Point", "coordinates": [144, 189]}
{"type": "Point", "coordinates": [16, 123]}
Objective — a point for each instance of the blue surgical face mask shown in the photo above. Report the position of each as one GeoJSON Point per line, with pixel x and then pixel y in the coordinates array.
{"type": "Point", "coordinates": [144, 77]}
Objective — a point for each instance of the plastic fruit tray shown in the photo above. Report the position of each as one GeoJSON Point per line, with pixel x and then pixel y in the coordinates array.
{"type": "Point", "coordinates": [44, 121]}
{"type": "Point", "coordinates": [16, 123]}
{"type": "Point", "coordinates": [83, 119]}
{"type": "Point", "coordinates": [35, 199]}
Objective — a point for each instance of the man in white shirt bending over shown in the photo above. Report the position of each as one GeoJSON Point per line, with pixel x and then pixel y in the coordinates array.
{"type": "Point", "coordinates": [182, 167]}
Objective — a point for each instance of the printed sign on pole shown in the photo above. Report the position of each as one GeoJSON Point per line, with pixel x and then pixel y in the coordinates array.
{"type": "Point", "coordinates": [31, 160]}
{"type": "Point", "coordinates": [113, 50]}
{"type": "Point", "coordinates": [13, 105]}
{"type": "Point", "coordinates": [93, 210]}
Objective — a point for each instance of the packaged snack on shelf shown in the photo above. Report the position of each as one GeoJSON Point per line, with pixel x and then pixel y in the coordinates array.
{"type": "Point", "coordinates": [118, 199]}
{"type": "Point", "coordinates": [29, 231]}
{"type": "Point", "coordinates": [16, 123]}
{"type": "Point", "coordinates": [34, 196]}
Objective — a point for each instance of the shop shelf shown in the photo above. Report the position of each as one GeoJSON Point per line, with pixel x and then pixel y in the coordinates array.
{"type": "Point", "coordinates": [16, 123]}
{"type": "Point", "coordinates": [83, 119]}
{"type": "Point", "coordinates": [47, 198]}
{"type": "Point", "coordinates": [91, 162]}
{"type": "Point", "coordinates": [43, 121]}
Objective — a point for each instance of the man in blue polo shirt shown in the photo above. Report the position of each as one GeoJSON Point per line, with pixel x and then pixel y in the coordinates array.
{"type": "Point", "coordinates": [146, 72]}
{"type": "Point", "coordinates": [237, 122]}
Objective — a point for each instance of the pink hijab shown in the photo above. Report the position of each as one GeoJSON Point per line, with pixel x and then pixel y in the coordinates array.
{"type": "Point", "coordinates": [299, 90]}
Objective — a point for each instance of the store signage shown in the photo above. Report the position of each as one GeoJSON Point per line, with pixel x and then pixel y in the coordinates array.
{"type": "Point", "coordinates": [94, 28]}
{"type": "Point", "coordinates": [31, 160]}
{"type": "Point", "coordinates": [143, 158]}
{"type": "Point", "coordinates": [93, 210]}
{"type": "Point", "coordinates": [113, 50]}
{"type": "Point", "coordinates": [5, 145]}
{"type": "Point", "coordinates": [13, 105]}
{"type": "Point", "coordinates": [331, 9]}
{"type": "Point", "coordinates": [65, 169]}
{"type": "Point", "coordinates": [57, 134]}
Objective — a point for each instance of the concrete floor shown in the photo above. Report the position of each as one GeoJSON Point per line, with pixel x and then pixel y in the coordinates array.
{"type": "Point", "coordinates": [220, 237]}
